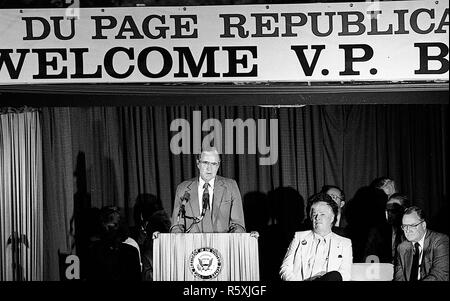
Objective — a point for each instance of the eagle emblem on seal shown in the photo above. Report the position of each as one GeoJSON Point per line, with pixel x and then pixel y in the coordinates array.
{"type": "Point", "coordinates": [204, 263]}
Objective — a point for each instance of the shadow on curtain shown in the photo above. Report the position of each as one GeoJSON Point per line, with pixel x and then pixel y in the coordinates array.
{"type": "Point", "coordinates": [126, 151]}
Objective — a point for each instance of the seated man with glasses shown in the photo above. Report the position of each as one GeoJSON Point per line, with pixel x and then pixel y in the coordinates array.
{"type": "Point", "coordinates": [208, 203]}
{"type": "Point", "coordinates": [338, 196]}
{"type": "Point", "coordinates": [424, 253]}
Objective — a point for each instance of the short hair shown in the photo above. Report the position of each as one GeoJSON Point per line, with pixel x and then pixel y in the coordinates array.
{"type": "Point", "coordinates": [380, 182]}
{"type": "Point", "coordinates": [415, 209]}
{"type": "Point", "coordinates": [208, 149]}
{"type": "Point", "coordinates": [403, 199]}
{"type": "Point", "coordinates": [325, 188]}
{"type": "Point", "coordinates": [323, 197]}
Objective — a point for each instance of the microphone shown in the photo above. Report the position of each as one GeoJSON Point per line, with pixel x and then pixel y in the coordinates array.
{"type": "Point", "coordinates": [197, 220]}
{"type": "Point", "coordinates": [184, 200]}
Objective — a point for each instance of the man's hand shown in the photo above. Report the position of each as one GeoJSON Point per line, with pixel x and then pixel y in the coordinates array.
{"type": "Point", "coordinates": [254, 234]}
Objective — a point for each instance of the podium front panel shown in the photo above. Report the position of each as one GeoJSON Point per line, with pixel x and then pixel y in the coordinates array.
{"type": "Point", "coordinates": [205, 257]}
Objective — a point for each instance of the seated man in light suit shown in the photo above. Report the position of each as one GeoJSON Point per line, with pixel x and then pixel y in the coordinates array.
{"type": "Point", "coordinates": [212, 204]}
{"type": "Point", "coordinates": [319, 254]}
{"type": "Point", "coordinates": [424, 253]}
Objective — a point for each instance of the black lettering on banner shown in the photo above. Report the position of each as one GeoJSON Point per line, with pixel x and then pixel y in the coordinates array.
{"type": "Point", "coordinates": [350, 59]}
{"type": "Point", "coordinates": [99, 26]}
{"type": "Point", "coordinates": [31, 35]}
{"type": "Point", "coordinates": [233, 61]}
{"type": "Point", "coordinates": [57, 26]}
{"type": "Point", "coordinates": [109, 64]}
{"type": "Point", "coordinates": [128, 25]}
{"type": "Point", "coordinates": [442, 23]}
{"type": "Point", "coordinates": [179, 26]}
{"type": "Point", "coordinates": [299, 51]}
{"type": "Point", "coordinates": [43, 63]}
{"type": "Point", "coordinates": [374, 24]}
{"type": "Point", "coordinates": [260, 24]}
{"type": "Point", "coordinates": [315, 24]}
{"type": "Point", "coordinates": [414, 20]}
{"type": "Point", "coordinates": [227, 25]}
{"type": "Point", "coordinates": [79, 66]}
{"type": "Point", "coordinates": [167, 62]}
{"type": "Point", "coordinates": [425, 58]}
{"type": "Point", "coordinates": [162, 30]}
{"type": "Point", "coordinates": [346, 23]}
{"type": "Point", "coordinates": [401, 21]}
{"type": "Point", "coordinates": [5, 58]}
{"type": "Point", "coordinates": [184, 54]}
{"type": "Point", "coordinates": [289, 23]}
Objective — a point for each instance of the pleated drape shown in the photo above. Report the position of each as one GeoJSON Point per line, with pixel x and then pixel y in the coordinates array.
{"type": "Point", "coordinates": [21, 196]}
{"type": "Point", "coordinates": [96, 156]}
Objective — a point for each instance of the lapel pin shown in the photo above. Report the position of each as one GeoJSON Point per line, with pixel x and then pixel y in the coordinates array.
{"type": "Point", "coordinates": [303, 242]}
{"type": "Point", "coordinates": [339, 256]}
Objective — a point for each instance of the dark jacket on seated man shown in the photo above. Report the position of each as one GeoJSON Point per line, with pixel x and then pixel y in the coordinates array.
{"type": "Point", "coordinates": [435, 259]}
{"type": "Point", "coordinates": [424, 255]}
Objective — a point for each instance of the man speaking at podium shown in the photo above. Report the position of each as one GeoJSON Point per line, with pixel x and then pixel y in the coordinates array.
{"type": "Point", "coordinates": [208, 203]}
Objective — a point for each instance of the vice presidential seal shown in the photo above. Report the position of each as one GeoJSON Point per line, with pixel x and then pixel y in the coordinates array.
{"type": "Point", "coordinates": [205, 263]}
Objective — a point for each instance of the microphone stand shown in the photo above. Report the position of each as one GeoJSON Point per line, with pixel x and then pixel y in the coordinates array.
{"type": "Point", "coordinates": [196, 219]}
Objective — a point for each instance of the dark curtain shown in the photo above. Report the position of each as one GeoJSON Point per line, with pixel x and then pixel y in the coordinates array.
{"type": "Point", "coordinates": [100, 156]}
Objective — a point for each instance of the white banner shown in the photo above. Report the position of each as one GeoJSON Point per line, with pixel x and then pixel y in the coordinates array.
{"type": "Point", "coordinates": [363, 41]}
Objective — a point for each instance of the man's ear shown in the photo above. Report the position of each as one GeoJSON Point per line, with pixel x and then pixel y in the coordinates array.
{"type": "Point", "coordinates": [342, 204]}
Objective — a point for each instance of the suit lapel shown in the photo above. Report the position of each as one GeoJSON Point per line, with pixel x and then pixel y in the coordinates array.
{"type": "Point", "coordinates": [219, 188]}
{"type": "Point", "coordinates": [426, 244]}
{"type": "Point", "coordinates": [408, 260]}
{"type": "Point", "coordinates": [193, 203]}
{"type": "Point", "coordinates": [304, 251]}
{"type": "Point", "coordinates": [335, 246]}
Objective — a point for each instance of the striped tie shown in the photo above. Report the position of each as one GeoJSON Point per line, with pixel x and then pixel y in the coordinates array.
{"type": "Point", "coordinates": [207, 221]}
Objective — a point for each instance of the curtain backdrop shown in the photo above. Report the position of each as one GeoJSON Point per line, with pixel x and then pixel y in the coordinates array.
{"type": "Point", "coordinates": [21, 237]}
{"type": "Point", "coordinates": [100, 156]}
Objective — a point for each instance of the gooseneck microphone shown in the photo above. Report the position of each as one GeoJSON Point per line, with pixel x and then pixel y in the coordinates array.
{"type": "Point", "coordinates": [197, 220]}
{"type": "Point", "coordinates": [182, 211]}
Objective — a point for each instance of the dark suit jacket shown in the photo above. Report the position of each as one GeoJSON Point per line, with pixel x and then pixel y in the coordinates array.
{"type": "Point", "coordinates": [379, 242]}
{"type": "Point", "coordinates": [227, 211]}
{"type": "Point", "coordinates": [434, 265]}
{"type": "Point", "coordinates": [106, 263]}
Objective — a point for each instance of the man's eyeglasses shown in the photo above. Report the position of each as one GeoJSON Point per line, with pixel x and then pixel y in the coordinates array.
{"type": "Point", "coordinates": [413, 226]}
{"type": "Point", "coordinates": [206, 163]}
{"type": "Point", "coordinates": [336, 197]}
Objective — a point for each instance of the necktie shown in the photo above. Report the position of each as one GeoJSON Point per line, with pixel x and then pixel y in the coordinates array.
{"type": "Point", "coordinates": [206, 222]}
{"type": "Point", "coordinates": [319, 260]}
{"type": "Point", "coordinates": [394, 244]}
{"type": "Point", "coordinates": [415, 263]}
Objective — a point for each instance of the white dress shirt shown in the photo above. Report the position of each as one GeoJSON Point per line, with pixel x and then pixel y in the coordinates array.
{"type": "Point", "coordinates": [318, 256]}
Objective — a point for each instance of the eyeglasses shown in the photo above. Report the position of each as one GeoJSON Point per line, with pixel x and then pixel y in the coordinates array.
{"type": "Point", "coordinates": [414, 226]}
{"type": "Point", "coordinates": [336, 197]}
{"type": "Point", "coordinates": [206, 163]}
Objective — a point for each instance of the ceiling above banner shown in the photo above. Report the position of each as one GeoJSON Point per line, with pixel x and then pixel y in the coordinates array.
{"type": "Point", "coordinates": [366, 42]}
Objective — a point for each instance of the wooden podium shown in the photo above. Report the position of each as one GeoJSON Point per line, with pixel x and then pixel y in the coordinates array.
{"type": "Point", "coordinates": [205, 256]}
